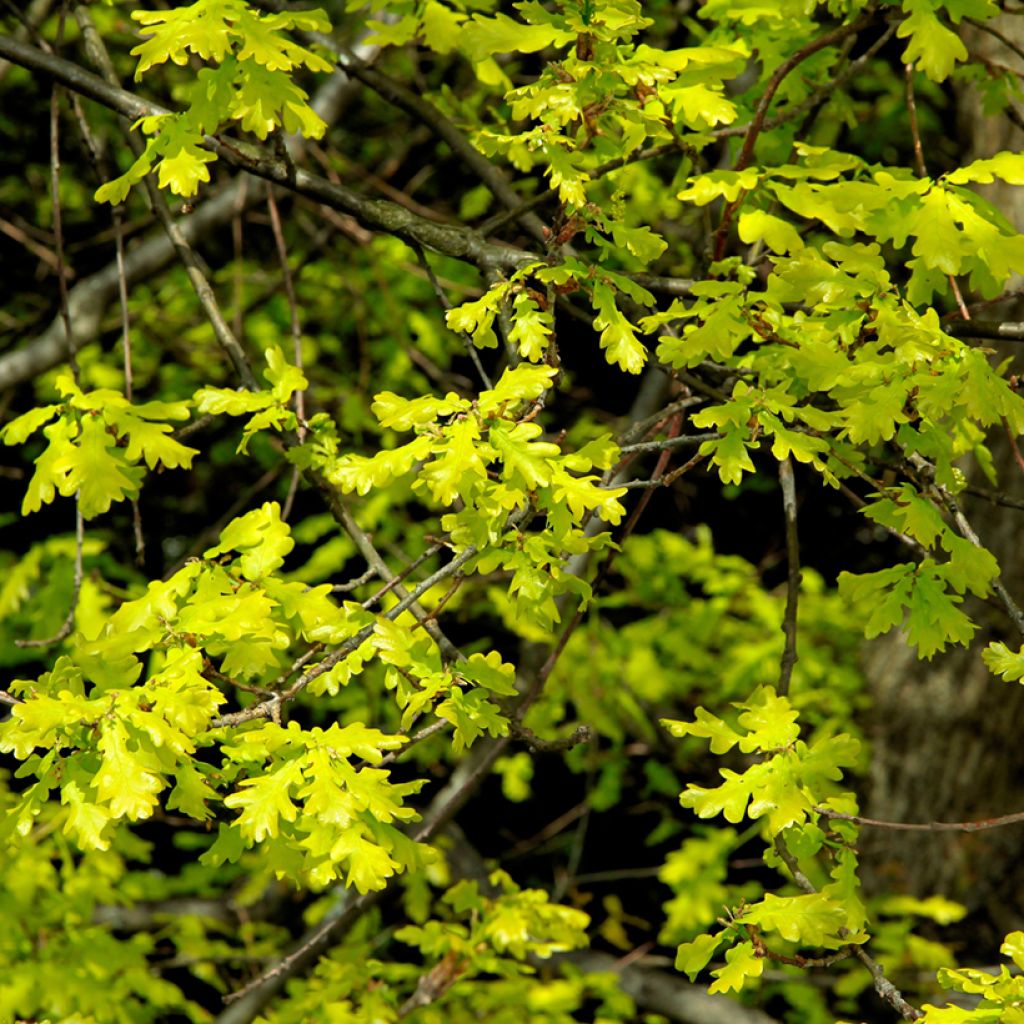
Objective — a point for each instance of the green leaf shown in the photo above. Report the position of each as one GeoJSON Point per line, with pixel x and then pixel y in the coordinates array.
{"type": "Point", "coordinates": [490, 671]}
{"type": "Point", "coordinates": [86, 820]}
{"type": "Point", "coordinates": [22, 427]}
{"type": "Point", "coordinates": [1003, 662]}
{"type": "Point", "coordinates": [811, 919]}
{"type": "Point", "coordinates": [770, 721]}
{"type": "Point", "coordinates": [741, 963]}
{"type": "Point", "coordinates": [265, 801]}
{"type": "Point", "coordinates": [483, 37]}
{"type": "Point", "coordinates": [723, 738]}
{"type": "Point", "coordinates": [780, 236]}
{"type": "Point", "coordinates": [369, 865]}
{"type": "Point", "coordinates": [531, 328]}
{"type": "Point", "coordinates": [522, 383]}
{"type": "Point", "coordinates": [123, 783]}
{"type": "Point", "coordinates": [618, 335]}
{"type": "Point", "coordinates": [693, 957]}
{"type": "Point", "coordinates": [461, 464]}
{"type": "Point", "coordinates": [525, 462]}
{"type": "Point", "coordinates": [94, 467]}
{"type": "Point", "coordinates": [405, 414]}
{"type": "Point", "coordinates": [727, 185]}
{"type": "Point", "coordinates": [261, 538]}
{"type": "Point", "coordinates": [933, 48]}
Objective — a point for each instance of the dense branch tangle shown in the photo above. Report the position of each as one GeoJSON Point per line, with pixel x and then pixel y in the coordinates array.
{"type": "Point", "coordinates": [793, 355]}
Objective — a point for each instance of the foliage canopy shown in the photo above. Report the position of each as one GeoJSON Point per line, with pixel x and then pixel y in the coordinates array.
{"type": "Point", "coordinates": [398, 456]}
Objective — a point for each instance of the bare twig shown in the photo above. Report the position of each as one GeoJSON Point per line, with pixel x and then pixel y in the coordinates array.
{"type": "Point", "coordinates": [299, 399]}
{"type": "Point", "coordinates": [966, 530]}
{"type": "Point", "coordinates": [58, 236]}
{"type": "Point", "coordinates": [355, 583]}
{"type": "Point", "coordinates": [883, 986]}
{"type": "Point", "coordinates": [789, 654]}
{"type": "Point", "coordinates": [996, 34]}
{"type": "Point", "coordinates": [683, 441]}
{"type": "Point", "coordinates": [446, 305]}
{"type": "Point", "coordinates": [581, 734]}
{"type": "Point", "coordinates": [761, 111]}
{"type": "Point", "coordinates": [1014, 449]}
{"type": "Point", "coordinates": [373, 559]}
{"type": "Point", "coordinates": [982, 825]}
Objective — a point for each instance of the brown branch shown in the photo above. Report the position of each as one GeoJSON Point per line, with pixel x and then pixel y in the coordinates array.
{"type": "Point", "coordinates": [355, 583]}
{"type": "Point", "coordinates": [995, 497]}
{"type": "Point", "coordinates": [445, 129]}
{"type": "Point", "coordinates": [996, 34]}
{"type": "Point", "coordinates": [883, 986]}
{"type": "Point", "coordinates": [761, 111]}
{"type": "Point", "coordinates": [982, 825]}
{"type": "Point", "coordinates": [999, 330]}
{"type": "Point", "coordinates": [377, 214]}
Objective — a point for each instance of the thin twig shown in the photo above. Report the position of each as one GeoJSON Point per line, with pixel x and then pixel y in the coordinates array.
{"type": "Point", "coordinates": [58, 240]}
{"type": "Point", "coordinates": [641, 427]}
{"type": "Point", "coordinates": [761, 111]}
{"type": "Point", "coordinates": [683, 441]}
{"type": "Point", "coordinates": [883, 986]}
{"type": "Point", "coordinates": [446, 305]}
{"type": "Point", "coordinates": [398, 577]}
{"type": "Point", "coordinates": [344, 518]}
{"type": "Point", "coordinates": [1012, 438]}
{"type": "Point", "coordinates": [922, 169]}
{"type": "Point", "coordinates": [982, 825]}
{"type": "Point", "coordinates": [356, 583]}
{"type": "Point", "coordinates": [193, 268]}
{"type": "Point", "coordinates": [789, 622]}
{"type": "Point", "coordinates": [995, 33]}
{"type": "Point", "coordinates": [915, 134]}
{"type": "Point", "coordinates": [995, 497]}
{"type": "Point", "coordinates": [965, 528]}
{"type": "Point", "coordinates": [581, 734]}
{"type": "Point", "coordinates": [299, 399]}
{"type": "Point", "coordinates": [376, 214]}
{"type": "Point", "coordinates": [267, 708]}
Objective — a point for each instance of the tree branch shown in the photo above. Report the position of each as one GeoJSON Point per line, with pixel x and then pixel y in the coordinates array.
{"type": "Point", "coordinates": [789, 654]}
{"type": "Point", "coordinates": [883, 986]}
{"type": "Point", "coordinates": [982, 825]}
{"type": "Point", "coordinates": [377, 214]}
{"type": "Point", "coordinates": [268, 708]}
{"type": "Point", "coordinates": [761, 111]}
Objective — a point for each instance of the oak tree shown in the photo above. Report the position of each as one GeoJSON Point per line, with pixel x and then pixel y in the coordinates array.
{"type": "Point", "coordinates": [455, 453]}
